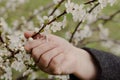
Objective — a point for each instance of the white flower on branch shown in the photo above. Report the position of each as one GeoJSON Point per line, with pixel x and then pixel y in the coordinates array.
{"type": "Point", "coordinates": [47, 30]}
{"type": "Point", "coordinates": [27, 72]}
{"type": "Point", "coordinates": [4, 52]}
{"type": "Point", "coordinates": [57, 26]}
{"type": "Point", "coordinates": [91, 17]}
{"type": "Point", "coordinates": [19, 56]}
{"type": "Point", "coordinates": [69, 6]}
{"type": "Point", "coordinates": [8, 74]}
{"type": "Point", "coordinates": [57, 12]}
{"type": "Point", "coordinates": [78, 12]}
{"type": "Point", "coordinates": [18, 65]}
{"type": "Point", "coordinates": [48, 18]}
{"type": "Point", "coordinates": [104, 32]}
{"type": "Point", "coordinates": [82, 33]}
{"type": "Point", "coordinates": [105, 2]}
{"type": "Point", "coordinates": [16, 42]}
{"type": "Point", "coordinates": [107, 44]}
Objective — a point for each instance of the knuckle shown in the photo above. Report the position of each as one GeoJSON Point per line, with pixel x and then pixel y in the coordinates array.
{"type": "Point", "coordinates": [43, 59]}
{"type": "Point", "coordinates": [34, 51]}
{"type": "Point", "coordinates": [54, 61]}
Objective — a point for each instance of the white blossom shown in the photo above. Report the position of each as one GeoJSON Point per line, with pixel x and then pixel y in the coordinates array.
{"type": "Point", "coordinates": [105, 2]}
{"type": "Point", "coordinates": [107, 43]}
{"type": "Point", "coordinates": [27, 72]}
{"type": "Point", "coordinates": [83, 32]}
{"type": "Point", "coordinates": [18, 65]}
{"type": "Point", "coordinates": [8, 74]}
{"type": "Point", "coordinates": [104, 32]}
{"type": "Point", "coordinates": [76, 10]}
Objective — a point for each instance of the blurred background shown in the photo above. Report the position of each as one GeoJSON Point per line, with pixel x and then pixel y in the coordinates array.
{"type": "Point", "coordinates": [16, 12]}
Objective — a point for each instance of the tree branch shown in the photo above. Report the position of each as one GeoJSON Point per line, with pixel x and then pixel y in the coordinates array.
{"type": "Point", "coordinates": [76, 28]}
{"type": "Point", "coordinates": [106, 19]}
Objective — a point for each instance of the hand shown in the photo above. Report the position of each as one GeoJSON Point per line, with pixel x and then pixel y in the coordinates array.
{"type": "Point", "coordinates": [57, 56]}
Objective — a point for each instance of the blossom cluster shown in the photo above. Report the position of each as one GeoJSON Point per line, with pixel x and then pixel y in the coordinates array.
{"type": "Point", "coordinates": [105, 2]}
{"type": "Point", "coordinates": [12, 53]}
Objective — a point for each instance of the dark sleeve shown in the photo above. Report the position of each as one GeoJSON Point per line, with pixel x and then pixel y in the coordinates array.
{"type": "Point", "coordinates": [108, 65]}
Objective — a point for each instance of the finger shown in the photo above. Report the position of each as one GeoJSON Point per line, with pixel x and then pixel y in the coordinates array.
{"type": "Point", "coordinates": [32, 44]}
{"type": "Point", "coordinates": [55, 65]}
{"type": "Point", "coordinates": [38, 51]}
{"type": "Point", "coordinates": [28, 34]}
{"type": "Point", "coordinates": [48, 56]}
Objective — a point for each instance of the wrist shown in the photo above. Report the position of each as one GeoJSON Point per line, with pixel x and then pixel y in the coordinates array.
{"type": "Point", "coordinates": [85, 67]}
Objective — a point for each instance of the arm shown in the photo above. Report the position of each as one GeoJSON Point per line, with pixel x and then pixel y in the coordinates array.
{"type": "Point", "coordinates": [108, 65]}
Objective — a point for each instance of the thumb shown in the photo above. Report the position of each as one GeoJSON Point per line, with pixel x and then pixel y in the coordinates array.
{"type": "Point", "coordinates": [28, 34]}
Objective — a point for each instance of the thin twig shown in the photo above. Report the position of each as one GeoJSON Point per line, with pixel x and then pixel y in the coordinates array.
{"type": "Point", "coordinates": [111, 17]}
{"type": "Point", "coordinates": [56, 7]}
{"type": "Point", "coordinates": [93, 8]}
{"type": "Point", "coordinates": [91, 1]}
{"type": "Point", "coordinates": [76, 28]}
{"type": "Point", "coordinates": [49, 23]}
{"type": "Point", "coordinates": [106, 19]}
